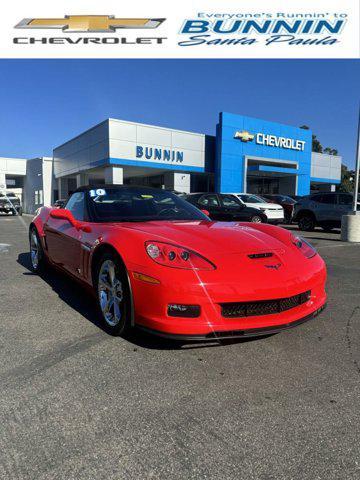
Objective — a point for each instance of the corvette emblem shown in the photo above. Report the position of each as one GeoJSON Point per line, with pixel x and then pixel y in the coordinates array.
{"type": "Point", "coordinates": [244, 136]}
{"type": "Point", "coordinates": [276, 266]}
{"type": "Point", "coordinates": [89, 23]}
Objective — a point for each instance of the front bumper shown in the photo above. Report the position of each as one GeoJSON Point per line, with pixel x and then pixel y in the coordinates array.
{"type": "Point", "coordinates": [274, 215]}
{"type": "Point", "coordinates": [211, 289]}
{"type": "Point", "coordinates": [230, 334]}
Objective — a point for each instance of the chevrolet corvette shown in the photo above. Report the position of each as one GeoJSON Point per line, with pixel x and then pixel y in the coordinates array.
{"type": "Point", "coordinates": [154, 261]}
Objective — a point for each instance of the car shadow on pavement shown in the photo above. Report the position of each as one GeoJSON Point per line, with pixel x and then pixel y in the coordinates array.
{"type": "Point", "coordinates": [81, 299]}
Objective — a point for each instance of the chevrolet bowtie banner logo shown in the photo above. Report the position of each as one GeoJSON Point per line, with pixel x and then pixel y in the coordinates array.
{"type": "Point", "coordinates": [90, 23]}
{"type": "Point", "coordinates": [244, 136]}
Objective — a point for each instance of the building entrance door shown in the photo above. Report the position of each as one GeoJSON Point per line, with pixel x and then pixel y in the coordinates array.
{"type": "Point", "coordinates": [263, 185]}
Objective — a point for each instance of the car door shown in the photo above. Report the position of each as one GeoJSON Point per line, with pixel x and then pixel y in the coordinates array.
{"type": "Point", "coordinates": [63, 240]}
{"type": "Point", "coordinates": [326, 208]}
{"type": "Point", "coordinates": [211, 203]}
{"type": "Point", "coordinates": [233, 208]}
{"type": "Point", "coordinates": [344, 205]}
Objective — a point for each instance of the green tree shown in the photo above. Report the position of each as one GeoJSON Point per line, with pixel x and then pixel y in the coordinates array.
{"type": "Point", "coordinates": [331, 151]}
{"type": "Point", "coordinates": [347, 179]}
{"type": "Point", "coordinates": [316, 145]}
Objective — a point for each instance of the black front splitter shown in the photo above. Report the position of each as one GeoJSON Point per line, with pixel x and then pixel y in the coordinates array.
{"type": "Point", "coordinates": [228, 334]}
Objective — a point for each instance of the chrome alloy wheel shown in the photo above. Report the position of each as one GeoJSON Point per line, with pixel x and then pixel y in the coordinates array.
{"type": "Point", "coordinates": [34, 250]}
{"type": "Point", "coordinates": [256, 219]}
{"type": "Point", "coordinates": [110, 293]}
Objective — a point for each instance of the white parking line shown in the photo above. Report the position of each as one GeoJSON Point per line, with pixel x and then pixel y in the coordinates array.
{"type": "Point", "coordinates": [339, 245]}
{"type": "Point", "coordinates": [22, 221]}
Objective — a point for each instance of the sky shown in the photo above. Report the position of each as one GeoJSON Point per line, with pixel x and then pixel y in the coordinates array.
{"type": "Point", "coordinates": [46, 102]}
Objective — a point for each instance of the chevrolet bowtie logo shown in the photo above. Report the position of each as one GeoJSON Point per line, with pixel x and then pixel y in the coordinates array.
{"type": "Point", "coordinates": [275, 267]}
{"type": "Point", "coordinates": [244, 136]}
{"type": "Point", "coordinates": [90, 23]}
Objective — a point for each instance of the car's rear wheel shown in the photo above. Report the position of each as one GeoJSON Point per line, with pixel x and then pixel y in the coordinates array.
{"type": "Point", "coordinates": [113, 294]}
{"type": "Point", "coordinates": [256, 219]}
{"type": "Point", "coordinates": [36, 251]}
{"type": "Point", "coordinates": [307, 223]}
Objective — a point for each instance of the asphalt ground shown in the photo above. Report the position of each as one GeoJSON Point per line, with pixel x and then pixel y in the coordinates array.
{"type": "Point", "coordinates": [76, 403]}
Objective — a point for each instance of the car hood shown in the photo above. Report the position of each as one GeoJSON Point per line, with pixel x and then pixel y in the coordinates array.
{"type": "Point", "coordinates": [268, 206]}
{"type": "Point", "coordinates": [209, 237]}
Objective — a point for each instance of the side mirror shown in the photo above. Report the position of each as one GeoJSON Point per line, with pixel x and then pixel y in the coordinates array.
{"type": "Point", "coordinates": [205, 212]}
{"type": "Point", "coordinates": [64, 214]}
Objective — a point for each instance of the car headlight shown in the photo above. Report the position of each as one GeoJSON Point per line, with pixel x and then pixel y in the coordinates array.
{"type": "Point", "coordinates": [304, 246]}
{"type": "Point", "coordinates": [177, 257]}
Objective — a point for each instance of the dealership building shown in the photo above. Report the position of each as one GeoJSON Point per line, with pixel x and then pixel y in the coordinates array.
{"type": "Point", "coordinates": [245, 155]}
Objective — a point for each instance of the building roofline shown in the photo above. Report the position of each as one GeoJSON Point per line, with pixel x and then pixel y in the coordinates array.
{"type": "Point", "coordinates": [82, 133]}
{"type": "Point", "coordinates": [129, 122]}
{"type": "Point", "coordinates": [156, 126]}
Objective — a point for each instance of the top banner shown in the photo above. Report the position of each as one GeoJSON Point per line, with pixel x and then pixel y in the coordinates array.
{"type": "Point", "coordinates": [187, 29]}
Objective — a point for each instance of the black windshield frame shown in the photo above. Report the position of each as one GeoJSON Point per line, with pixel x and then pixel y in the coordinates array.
{"type": "Point", "coordinates": [187, 211]}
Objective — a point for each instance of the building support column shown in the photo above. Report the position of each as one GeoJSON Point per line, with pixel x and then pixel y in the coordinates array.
{"type": "Point", "coordinates": [81, 180]}
{"type": "Point", "coordinates": [2, 182]}
{"type": "Point", "coordinates": [63, 188]}
{"type": "Point", "coordinates": [114, 175]}
{"type": "Point", "coordinates": [182, 182]}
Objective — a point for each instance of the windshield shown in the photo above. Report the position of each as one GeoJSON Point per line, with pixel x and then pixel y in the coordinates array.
{"type": "Point", "coordinates": [251, 199]}
{"type": "Point", "coordinates": [134, 204]}
{"type": "Point", "coordinates": [286, 199]}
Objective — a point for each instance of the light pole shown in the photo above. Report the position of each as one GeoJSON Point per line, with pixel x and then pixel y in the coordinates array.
{"type": "Point", "coordinates": [350, 223]}
{"type": "Point", "coordinates": [357, 168]}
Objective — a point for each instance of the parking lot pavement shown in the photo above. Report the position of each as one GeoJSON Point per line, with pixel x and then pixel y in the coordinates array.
{"type": "Point", "coordinates": [76, 403]}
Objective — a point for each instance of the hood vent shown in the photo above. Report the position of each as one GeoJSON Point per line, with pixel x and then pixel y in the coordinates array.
{"type": "Point", "coordinates": [260, 255]}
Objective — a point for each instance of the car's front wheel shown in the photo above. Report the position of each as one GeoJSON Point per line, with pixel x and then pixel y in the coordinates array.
{"type": "Point", "coordinates": [37, 256]}
{"type": "Point", "coordinates": [307, 223]}
{"type": "Point", "coordinates": [256, 219]}
{"type": "Point", "coordinates": [113, 294]}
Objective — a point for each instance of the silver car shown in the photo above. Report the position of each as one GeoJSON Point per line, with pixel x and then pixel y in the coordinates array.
{"type": "Point", "coordinates": [322, 209]}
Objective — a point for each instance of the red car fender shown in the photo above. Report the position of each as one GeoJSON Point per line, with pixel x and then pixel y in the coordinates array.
{"type": "Point", "coordinates": [40, 219]}
{"type": "Point", "coordinates": [128, 244]}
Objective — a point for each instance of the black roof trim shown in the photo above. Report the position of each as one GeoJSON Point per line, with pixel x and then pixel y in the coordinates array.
{"type": "Point", "coordinates": [86, 188]}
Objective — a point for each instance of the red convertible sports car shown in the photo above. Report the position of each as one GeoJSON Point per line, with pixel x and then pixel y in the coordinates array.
{"type": "Point", "coordinates": [157, 262]}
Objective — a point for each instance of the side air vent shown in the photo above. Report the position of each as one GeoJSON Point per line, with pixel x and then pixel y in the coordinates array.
{"type": "Point", "coordinates": [260, 255]}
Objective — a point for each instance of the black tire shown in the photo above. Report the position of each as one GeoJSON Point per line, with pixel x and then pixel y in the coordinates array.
{"type": "Point", "coordinates": [307, 223]}
{"type": "Point", "coordinates": [36, 266]}
{"type": "Point", "coordinates": [13, 212]}
{"type": "Point", "coordinates": [19, 211]}
{"type": "Point", "coordinates": [256, 219]}
{"type": "Point", "coordinates": [113, 325]}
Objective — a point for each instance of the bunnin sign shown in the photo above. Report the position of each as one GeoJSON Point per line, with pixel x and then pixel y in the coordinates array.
{"type": "Point", "coordinates": [159, 154]}
{"type": "Point", "coordinates": [270, 140]}
{"type": "Point", "coordinates": [238, 28]}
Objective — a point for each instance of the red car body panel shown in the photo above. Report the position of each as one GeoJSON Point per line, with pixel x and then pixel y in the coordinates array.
{"type": "Point", "coordinates": [236, 278]}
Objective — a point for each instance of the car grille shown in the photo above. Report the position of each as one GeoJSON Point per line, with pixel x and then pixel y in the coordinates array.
{"type": "Point", "coordinates": [263, 307]}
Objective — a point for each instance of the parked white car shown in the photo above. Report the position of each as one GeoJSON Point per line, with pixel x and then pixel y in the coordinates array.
{"type": "Point", "coordinates": [273, 211]}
